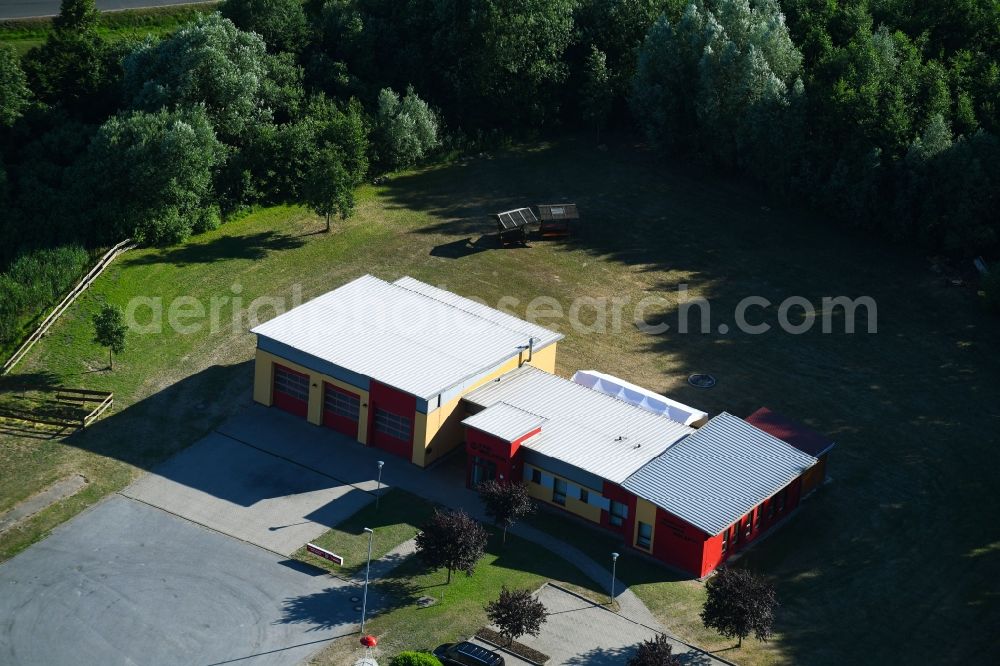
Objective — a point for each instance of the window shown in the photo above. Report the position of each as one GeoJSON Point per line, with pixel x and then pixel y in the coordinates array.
{"type": "Point", "coordinates": [291, 383]}
{"type": "Point", "coordinates": [342, 404]}
{"type": "Point", "coordinates": [584, 496]}
{"type": "Point", "coordinates": [536, 476]}
{"type": "Point", "coordinates": [618, 513]}
{"type": "Point", "coordinates": [781, 500]}
{"type": "Point", "coordinates": [645, 536]}
{"type": "Point", "coordinates": [749, 526]}
{"type": "Point", "coordinates": [559, 492]}
{"type": "Point", "coordinates": [756, 520]}
{"type": "Point", "coordinates": [725, 541]}
{"type": "Point", "coordinates": [737, 534]}
{"type": "Point", "coordinates": [770, 510]}
{"type": "Point", "coordinates": [393, 425]}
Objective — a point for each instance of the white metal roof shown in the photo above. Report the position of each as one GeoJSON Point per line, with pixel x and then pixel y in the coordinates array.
{"type": "Point", "coordinates": [584, 428]}
{"type": "Point", "coordinates": [639, 396]}
{"type": "Point", "coordinates": [408, 335]}
{"type": "Point", "coordinates": [505, 421]}
{"type": "Point", "coordinates": [719, 474]}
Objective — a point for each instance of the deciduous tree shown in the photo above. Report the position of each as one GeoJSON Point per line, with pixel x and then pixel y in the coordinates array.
{"type": "Point", "coordinates": [505, 503]}
{"type": "Point", "coordinates": [452, 540]}
{"type": "Point", "coordinates": [516, 613]}
{"type": "Point", "coordinates": [740, 603]}
{"type": "Point", "coordinates": [14, 92]}
{"type": "Point", "coordinates": [282, 23]}
{"type": "Point", "coordinates": [656, 651]}
{"type": "Point", "coordinates": [110, 330]}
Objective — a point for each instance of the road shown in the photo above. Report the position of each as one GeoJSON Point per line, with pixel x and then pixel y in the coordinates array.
{"type": "Point", "coordinates": [15, 9]}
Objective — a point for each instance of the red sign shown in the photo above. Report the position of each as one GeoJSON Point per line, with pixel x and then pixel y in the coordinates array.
{"type": "Point", "coordinates": [325, 554]}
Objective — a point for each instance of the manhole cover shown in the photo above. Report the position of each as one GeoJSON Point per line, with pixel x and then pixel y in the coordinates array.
{"type": "Point", "coordinates": [357, 609]}
{"type": "Point", "coordinates": [355, 599]}
{"type": "Point", "coordinates": [424, 602]}
{"type": "Point", "coordinates": [701, 381]}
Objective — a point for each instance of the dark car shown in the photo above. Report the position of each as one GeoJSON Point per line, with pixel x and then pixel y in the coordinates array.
{"type": "Point", "coordinates": [467, 654]}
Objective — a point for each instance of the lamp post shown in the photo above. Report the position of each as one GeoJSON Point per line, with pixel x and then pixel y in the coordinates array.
{"type": "Point", "coordinates": [368, 568]}
{"type": "Point", "coordinates": [614, 564]}
{"type": "Point", "coordinates": [378, 492]}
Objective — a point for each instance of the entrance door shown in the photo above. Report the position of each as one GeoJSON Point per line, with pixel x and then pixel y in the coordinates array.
{"type": "Point", "coordinates": [291, 390]}
{"type": "Point", "coordinates": [393, 433]}
{"type": "Point", "coordinates": [483, 470]}
{"type": "Point", "coordinates": [341, 410]}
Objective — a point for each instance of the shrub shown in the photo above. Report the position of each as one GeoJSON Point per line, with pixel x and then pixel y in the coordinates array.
{"type": "Point", "coordinates": [34, 281]}
{"type": "Point", "coordinates": [415, 659]}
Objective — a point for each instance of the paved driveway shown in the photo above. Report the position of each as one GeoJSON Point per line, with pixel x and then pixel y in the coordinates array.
{"type": "Point", "coordinates": [580, 633]}
{"type": "Point", "coordinates": [125, 583]}
{"type": "Point", "coordinates": [246, 493]}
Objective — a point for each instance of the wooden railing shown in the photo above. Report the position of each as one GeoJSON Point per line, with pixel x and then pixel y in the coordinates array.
{"type": "Point", "coordinates": [64, 304]}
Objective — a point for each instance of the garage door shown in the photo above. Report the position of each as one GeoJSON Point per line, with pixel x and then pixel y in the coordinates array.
{"type": "Point", "coordinates": [291, 390]}
{"type": "Point", "coordinates": [341, 410]}
{"type": "Point", "coordinates": [393, 433]}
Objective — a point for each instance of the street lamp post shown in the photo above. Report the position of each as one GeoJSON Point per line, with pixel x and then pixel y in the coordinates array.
{"type": "Point", "coordinates": [378, 492]}
{"type": "Point", "coordinates": [368, 568]}
{"type": "Point", "coordinates": [614, 564]}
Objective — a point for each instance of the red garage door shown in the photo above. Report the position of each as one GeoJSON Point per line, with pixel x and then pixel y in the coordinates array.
{"type": "Point", "coordinates": [291, 390]}
{"type": "Point", "coordinates": [392, 433]}
{"type": "Point", "coordinates": [341, 410]}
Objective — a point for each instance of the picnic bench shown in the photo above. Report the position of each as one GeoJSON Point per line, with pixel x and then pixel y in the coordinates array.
{"type": "Point", "coordinates": [512, 225]}
{"type": "Point", "coordinates": [555, 219]}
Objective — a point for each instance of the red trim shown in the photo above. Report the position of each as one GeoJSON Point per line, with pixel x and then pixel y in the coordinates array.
{"type": "Point", "coordinates": [341, 424]}
{"type": "Point", "coordinates": [289, 403]}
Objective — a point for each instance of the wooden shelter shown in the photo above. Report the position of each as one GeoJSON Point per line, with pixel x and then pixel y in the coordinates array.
{"type": "Point", "coordinates": [556, 219]}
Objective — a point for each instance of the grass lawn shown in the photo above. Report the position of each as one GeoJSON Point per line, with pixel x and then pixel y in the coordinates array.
{"type": "Point", "coordinates": [23, 34]}
{"type": "Point", "coordinates": [397, 519]}
{"type": "Point", "coordinates": [901, 543]}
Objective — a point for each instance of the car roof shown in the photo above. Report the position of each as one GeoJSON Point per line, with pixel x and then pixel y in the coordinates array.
{"type": "Point", "coordinates": [477, 651]}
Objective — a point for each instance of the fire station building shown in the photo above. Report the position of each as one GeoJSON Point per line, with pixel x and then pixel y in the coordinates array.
{"type": "Point", "coordinates": [419, 371]}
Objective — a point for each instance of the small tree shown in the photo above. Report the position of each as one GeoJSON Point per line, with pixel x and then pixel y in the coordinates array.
{"type": "Point", "coordinates": [328, 188]}
{"type": "Point", "coordinates": [740, 603]}
{"type": "Point", "coordinates": [505, 503]}
{"type": "Point", "coordinates": [452, 540]}
{"type": "Point", "coordinates": [597, 93]}
{"type": "Point", "coordinates": [109, 330]}
{"type": "Point", "coordinates": [654, 652]}
{"type": "Point", "coordinates": [516, 613]}
{"type": "Point", "coordinates": [405, 129]}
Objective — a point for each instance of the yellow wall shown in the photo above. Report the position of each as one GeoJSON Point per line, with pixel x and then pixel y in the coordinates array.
{"type": "Point", "coordinates": [644, 512]}
{"type": "Point", "coordinates": [573, 505]}
{"type": "Point", "coordinates": [442, 429]}
{"type": "Point", "coordinates": [264, 386]}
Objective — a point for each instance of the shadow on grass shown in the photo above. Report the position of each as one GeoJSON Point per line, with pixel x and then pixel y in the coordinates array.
{"type": "Point", "coordinates": [252, 246]}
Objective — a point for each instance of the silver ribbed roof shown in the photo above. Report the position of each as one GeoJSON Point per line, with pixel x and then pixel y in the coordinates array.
{"type": "Point", "coordinates": [719, 474]}
{"type": "Point", "coordinates": [584, 428]}
{"type": "Point", "coordinates": [505, 421]}
{"type": "Point", "coordinates": [407, 335]}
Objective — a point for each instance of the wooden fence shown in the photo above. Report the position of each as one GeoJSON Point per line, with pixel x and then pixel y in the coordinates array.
{"type": "Point", "coordinates": [68, 408]}
{"type": "Point", "coordinates": [64, 304]}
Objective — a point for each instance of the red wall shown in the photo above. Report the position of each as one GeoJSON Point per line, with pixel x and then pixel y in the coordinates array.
{"type": "Point", "coordinates": [389, 399]}
{"type": "Point", "coordinates": [678, 543]}
{"type": "Point", "coordinates": [503, 453]}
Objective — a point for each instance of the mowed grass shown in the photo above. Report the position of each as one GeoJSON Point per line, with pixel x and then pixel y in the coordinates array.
{"type": "Point", "coordinates": [900, 545]}
{"type": "Point", "coordinates": [396, 520]}
{"type": "Point", "coordinates": [24, 34]}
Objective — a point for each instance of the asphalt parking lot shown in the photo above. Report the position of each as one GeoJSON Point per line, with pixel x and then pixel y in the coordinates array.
{"type": "Point", "coordinates": [126, 583]}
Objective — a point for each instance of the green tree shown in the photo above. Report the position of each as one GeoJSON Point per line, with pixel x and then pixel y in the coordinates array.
{"type": "Point", "coordinates": [282, 23]}
{"type": "Point", "coordinates": [516, 613]}
{"type": "Point", "coordinates": [597, 93]}
{"type": "Point", "coordinates": [406, 130]}
{"type": "Point", "coordinates": [452, 540]}
{"type": "Point", "coordinates": [76, 15]}
{"type": "Point", "coordinates": [212, 62]}
{"type": "Point", "coordinates": [328, 187]}
{"type": "Point", "coordinates": [14, 92]}
{"type": "Point", "coordinates": [110, 330]}
{"type": "Point", "coordinates": [739, 603]}
{"type": "Point", "coordinates": [149, 176]}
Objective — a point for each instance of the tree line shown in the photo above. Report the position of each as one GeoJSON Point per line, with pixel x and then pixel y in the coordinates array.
{"type": "Point", "coordinates": [882, 115]}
